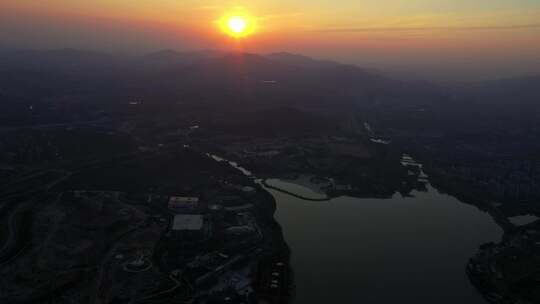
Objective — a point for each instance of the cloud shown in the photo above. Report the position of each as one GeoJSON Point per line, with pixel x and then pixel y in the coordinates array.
{"type": "Point", "coordinates": [431, 28]}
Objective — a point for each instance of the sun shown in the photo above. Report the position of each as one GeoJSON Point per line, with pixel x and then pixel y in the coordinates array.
{"type": "Point", "coordinates": [238, 25]}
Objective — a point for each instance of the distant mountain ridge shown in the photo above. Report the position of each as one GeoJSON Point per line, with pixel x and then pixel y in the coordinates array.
{"type": "Point", "coordinates": [172, 57]}
{"type": "Point", "coordinates": [213, 76]}
{"type": "Point", "coordinates": [300, 60]}
{"type": "Point", "coordinates": [516, 91]}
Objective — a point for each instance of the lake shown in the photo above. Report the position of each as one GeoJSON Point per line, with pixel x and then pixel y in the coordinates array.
{"type": "Point", "coordinates": [398, 250]}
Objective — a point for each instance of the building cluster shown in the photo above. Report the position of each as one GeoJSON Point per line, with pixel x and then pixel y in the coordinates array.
{"type": "Point", "coordinates": [219, 242]}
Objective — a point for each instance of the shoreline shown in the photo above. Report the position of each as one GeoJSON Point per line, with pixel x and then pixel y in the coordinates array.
{"type": "Point", "coordinates": [265, 184]}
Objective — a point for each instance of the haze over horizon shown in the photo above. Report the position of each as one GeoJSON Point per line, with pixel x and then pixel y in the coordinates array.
{"type": "Point", "coordinates": [420, 39]}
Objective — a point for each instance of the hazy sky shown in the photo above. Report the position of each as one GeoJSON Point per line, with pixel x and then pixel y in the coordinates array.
{"type": "Point", "coordinates": [474, 38]}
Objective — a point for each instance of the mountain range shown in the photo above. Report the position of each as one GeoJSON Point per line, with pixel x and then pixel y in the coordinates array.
{"type": "Point", "coordinates": [242, 81]}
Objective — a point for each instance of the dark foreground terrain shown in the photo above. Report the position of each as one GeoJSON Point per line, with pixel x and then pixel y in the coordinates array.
{"type": "Point", "coordinates": [119, 179]}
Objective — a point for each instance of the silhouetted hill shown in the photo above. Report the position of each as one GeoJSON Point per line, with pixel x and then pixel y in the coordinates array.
{"type": "Point", "coordinates": [213, 76]}
{"type": "Point", "coordinates": [80, 82]}
{"type": "Point", "coordinates": [225, 79]}
{"type": "Point", "coordinates": [301, 61]}
{"type": "Point", "coordinates": [508, 92]}
{"type": "Point", "coordinates": [171, 57]}
{"type": "Point", "coordinates": [62, 59]}
{"type": "Point", "coordinates": [259, 79]}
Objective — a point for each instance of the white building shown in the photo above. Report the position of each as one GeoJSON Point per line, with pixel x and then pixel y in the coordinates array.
{"type": "Point", "coordinates": [189, 227]}
{"type": "Point", "coordinates": [188, 222]}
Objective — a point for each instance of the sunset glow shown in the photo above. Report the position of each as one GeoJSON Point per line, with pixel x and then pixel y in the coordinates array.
{"type": "Point", "coordinates": [446, 34]}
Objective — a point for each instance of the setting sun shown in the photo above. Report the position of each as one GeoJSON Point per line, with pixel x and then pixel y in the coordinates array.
{"type": "Point", "coordinates": [237, 25]}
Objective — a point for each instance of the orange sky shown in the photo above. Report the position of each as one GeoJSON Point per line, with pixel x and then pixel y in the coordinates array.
{"type": "Point", "coordinates": [392, 32]}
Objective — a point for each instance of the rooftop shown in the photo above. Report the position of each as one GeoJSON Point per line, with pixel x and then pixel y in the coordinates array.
{"type": "Point", "coordinates": [187, 222]}
{"type": "Point", "coordinates": [181, 199]}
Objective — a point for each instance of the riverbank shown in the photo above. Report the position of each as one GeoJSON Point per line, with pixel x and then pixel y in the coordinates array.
{"type": "Point", "coordinates": [302, 197]}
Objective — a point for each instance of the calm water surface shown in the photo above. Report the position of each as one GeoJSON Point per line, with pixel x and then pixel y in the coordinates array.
{"type": "Point", "coordinates": [399, 250]}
